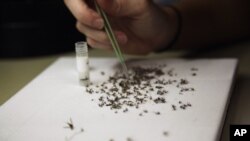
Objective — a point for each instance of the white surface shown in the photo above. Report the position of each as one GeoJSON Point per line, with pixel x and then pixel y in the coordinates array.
{"type": "Point", "coordinates": [40, 111]}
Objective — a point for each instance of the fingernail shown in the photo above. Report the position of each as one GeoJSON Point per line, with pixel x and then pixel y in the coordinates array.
{"type": "Point", "coordinates": [122, 38]}
{"type": "Point", "coordinates": [98, 23]}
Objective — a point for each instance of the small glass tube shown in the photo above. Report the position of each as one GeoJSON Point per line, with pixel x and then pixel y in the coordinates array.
{"type": "Point", "coordinates": [82, 62]}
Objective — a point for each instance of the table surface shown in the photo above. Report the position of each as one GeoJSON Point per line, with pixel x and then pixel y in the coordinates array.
{"type": "Point", "coordinates": [16, 73]}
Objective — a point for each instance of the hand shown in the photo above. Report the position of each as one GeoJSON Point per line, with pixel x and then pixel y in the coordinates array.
{"type": "Point", "coordinates": [140, 25]}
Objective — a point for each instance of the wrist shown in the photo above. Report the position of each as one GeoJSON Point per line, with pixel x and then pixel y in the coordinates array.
{"type": "Point", "coordinates": [173, 30]}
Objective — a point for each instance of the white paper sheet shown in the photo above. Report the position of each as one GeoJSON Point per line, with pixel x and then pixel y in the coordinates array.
{"type": "Point", "coordinates": [40, 110]}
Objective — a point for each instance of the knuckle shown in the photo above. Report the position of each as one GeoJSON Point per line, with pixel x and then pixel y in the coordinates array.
{"type": "Point", "coordinates": [81, 15]}
{"type": "Point", "coordinates": [84, 17]}
{"type": "Point", "coordinates": [104, 38]}
{"type": "Point", "coordinates": [78, 27]}
{"type": "Point", "coordinates": [90, 41]}
{"type": "Point", "coordinates": [118, 6]}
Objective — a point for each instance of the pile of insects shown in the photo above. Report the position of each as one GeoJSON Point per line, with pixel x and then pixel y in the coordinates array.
{"type": "Point", "coordinates": [142, 85]}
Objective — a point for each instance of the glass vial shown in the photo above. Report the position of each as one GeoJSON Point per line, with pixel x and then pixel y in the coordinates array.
{"type": "Point", "coordinates": [82, 62]}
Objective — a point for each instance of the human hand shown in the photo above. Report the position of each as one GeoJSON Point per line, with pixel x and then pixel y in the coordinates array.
{"type": "Point", "coordinates": [139, 25]}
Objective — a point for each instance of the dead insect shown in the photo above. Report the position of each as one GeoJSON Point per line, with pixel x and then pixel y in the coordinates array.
{"type": "Point", "coordinates": [194, 69]}
{"type": "Point", "coordinates": [137, 106]}
{"type": "Point", "coordinates": [125, 110]}
{"type": "Point", "coordinates": [174, 107]}
{"type": "Point", "coordinates": [129, 139]}
{"type": "Point", "coordinates": [102, 73]}
{"type": "Point", "coordinates": [70, 125]}
{"type": "Point", "coordinates": [165, 133]}
{"type": "Point", "coordinates": [157, 113]}
{"type": "Point", "coordinates": [194, 74]}
{"type": "Point", "coordinates": [184, 81]}
{"type": "Point", "coordinates": [188, 104]}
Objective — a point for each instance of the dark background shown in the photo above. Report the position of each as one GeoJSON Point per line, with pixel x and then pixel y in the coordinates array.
{"type": "Point", "coordinates": [36, 28]}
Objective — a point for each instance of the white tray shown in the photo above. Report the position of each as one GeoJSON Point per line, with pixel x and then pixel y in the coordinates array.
{"type": "Point", "coordinates": [39, 111]}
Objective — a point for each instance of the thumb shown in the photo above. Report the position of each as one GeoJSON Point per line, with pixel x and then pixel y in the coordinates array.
{"type": "Point", "coordinates": [120, 7]}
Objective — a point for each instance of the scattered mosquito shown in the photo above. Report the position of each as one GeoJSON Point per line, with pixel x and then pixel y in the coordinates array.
{"type": "Point", "coordinates": [70, 124]}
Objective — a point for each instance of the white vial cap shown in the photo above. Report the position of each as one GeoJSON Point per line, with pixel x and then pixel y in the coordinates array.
{"type": "Point", "coordinates": [81, 48]}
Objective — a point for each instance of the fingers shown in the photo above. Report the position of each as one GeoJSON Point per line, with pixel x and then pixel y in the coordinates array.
{"type": "Point", "coordinates": [92, 33]}
{"type": "Point", "coordinates": [96, 44]}
{"type": "Point", "coordinates": [123, 7]}
{"type": "Point", "coordinates": [99, 37]}
{"type": "Point", "coordinates": [84, 14]}
{"type": "Point", "coordinates": [111, 6]}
